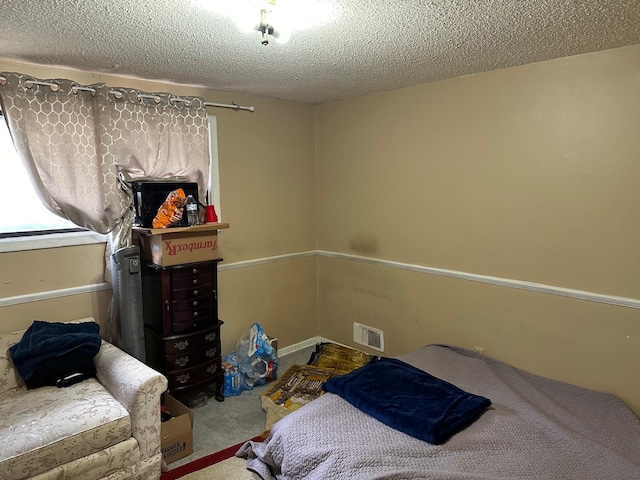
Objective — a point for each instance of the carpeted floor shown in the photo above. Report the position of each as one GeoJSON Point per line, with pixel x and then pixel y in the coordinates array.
{"type": "Point", "coordinates": [232, 468]}
{"type": "Point", "coordinates": [221, 465]}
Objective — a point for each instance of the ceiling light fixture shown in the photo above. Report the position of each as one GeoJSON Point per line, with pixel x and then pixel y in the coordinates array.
{"type": "Point", "coordinates": [277, 18]}
{"type": "Point", "coordinates": [264, 27]}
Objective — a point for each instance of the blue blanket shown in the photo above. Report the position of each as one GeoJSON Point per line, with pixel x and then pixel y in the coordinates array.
{"type": "Point", "coordinates": [48, 351]}
{"type": "Point", "coordinates": [409, 399]}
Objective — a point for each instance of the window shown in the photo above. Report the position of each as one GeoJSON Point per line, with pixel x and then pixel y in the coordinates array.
{"type": "Point", "coordinates": [28, 216]}
{"type": "Point", "coordinates": [30, 225]}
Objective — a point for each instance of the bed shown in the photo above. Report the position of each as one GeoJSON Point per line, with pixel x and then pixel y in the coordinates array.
{"type": "Point", "coordinates": [534, 428]}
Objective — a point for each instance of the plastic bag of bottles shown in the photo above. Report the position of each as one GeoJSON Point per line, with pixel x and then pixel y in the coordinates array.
{"type": "Point", "coordinates": [256, 356]}
{"type": "Point", "coordinates": [252, 363]}
{"type": "Point", "coordinates": [234, 383]}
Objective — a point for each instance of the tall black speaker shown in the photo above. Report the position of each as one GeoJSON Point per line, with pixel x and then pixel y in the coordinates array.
{"type": "Point", "coordinates": [127, 301]}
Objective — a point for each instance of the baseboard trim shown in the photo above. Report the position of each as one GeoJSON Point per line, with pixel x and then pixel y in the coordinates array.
{"type": "Point", "coordinates": [309, 342]}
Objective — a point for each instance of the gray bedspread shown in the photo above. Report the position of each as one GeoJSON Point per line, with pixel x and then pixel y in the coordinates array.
{"type": "Point", "coordinates": [537, 428]}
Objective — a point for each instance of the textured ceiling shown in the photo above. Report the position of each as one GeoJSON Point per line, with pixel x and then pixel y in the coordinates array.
{"type": "Point", "coordinates": [373, 45]}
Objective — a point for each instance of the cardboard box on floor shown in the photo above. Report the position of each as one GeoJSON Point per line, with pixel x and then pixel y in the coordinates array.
{"type": "Point", "coordinates": [176, 433]}
{"type": "Point", "coordinates": [178, 245]}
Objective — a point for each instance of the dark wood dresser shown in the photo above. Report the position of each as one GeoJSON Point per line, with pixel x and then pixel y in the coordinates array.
{"type": "Point", "coordinates": [182, 329]}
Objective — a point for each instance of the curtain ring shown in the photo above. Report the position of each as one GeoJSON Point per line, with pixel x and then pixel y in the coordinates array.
{"type": "Point", "coordinates": [175, 100]}
{"type": "Point", "coordinates": [142, 96]}
{"type": "Point", "coordinates": [54, 87]}
{"type": "Point", "coordinates": [75, 88]}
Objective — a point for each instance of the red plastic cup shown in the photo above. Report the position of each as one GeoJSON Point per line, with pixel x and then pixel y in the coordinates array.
{"type": "Point", "coordinates": [210, 214]}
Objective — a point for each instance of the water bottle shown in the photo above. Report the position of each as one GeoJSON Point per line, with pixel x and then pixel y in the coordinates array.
{"type": "Point", "coordinates": [192, 210]}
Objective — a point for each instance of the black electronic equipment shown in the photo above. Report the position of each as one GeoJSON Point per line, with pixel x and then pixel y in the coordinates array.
{"type": "Point", "coordinates": [148, 196]}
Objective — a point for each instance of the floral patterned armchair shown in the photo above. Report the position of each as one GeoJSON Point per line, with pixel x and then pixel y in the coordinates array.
{"type": "Point", "coordinates": [102, 428]}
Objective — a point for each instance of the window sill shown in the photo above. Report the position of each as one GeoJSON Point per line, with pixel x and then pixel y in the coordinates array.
{"type": "Point", "coordinates": [54, 240]}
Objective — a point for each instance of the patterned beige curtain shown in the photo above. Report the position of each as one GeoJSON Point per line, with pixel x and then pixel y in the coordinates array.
{"type": "Point", "coordinates": [79, 144]}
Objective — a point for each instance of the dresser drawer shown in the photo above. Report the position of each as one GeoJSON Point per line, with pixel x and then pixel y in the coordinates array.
{"type": "Point", "coordinates": [192, 293]}
{"type": "Point", "coordinates": [191, 303]}
{"type": "Point", "coordinates": [187, 376]}
{"type": "Point", "coordinates": [193, 325]}
{"type": "Point", "coordinates": [190, 359]}
{"type": "Point", "coordinates": [201, 340]}
{"type": "Point", "coordinates": [193, 314]}
{"type": "Point", "coordinates": [186, 271]}
{"type": "Point", "coordinates": [191, 281]}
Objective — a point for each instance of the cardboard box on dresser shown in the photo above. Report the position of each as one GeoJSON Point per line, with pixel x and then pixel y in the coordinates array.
{"type": "Point", "coordinates": [178, 245]}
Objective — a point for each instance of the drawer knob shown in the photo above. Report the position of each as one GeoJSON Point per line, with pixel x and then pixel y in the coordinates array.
{"type": "Point", "coordinates": [194, 271]}
{"type": "Point", "coordinates": [182, 361]}
{"type": "Point", "coordinates": [211, 352]}
{"type": "Point", "coordinates": [195, 281]}
{"type": "Point", "coordinates": [184, 378]}
{"type": "Point", "coordinates": [182, 345]}
{"type": "Point", "coordinates": [195, 303]}
{"type": "Point", "coordinates": [196, 314]}
{"type": "Point", "coordinates": [195, 293]}
{"type": "Point", "coordinates": [212, 368]}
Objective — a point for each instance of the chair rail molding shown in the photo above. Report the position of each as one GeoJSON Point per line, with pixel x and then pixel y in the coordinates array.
{"type": "Point", "coordinates": [473, 277]}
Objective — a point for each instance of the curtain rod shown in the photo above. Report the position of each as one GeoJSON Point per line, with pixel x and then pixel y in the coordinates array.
{"type": "Point", "coordinates": [232, 106]}
{"type": "Point", "coordinates": [116, 93]}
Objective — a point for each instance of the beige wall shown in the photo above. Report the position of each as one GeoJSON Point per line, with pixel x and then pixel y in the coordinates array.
{"type": "Point", "coordinates": [524, 175]}
{"type": "Point", "coordinates": [267, 183]}
{"type": "Point", "coordinates": [28, 278]}
{"type": "Point", "coordinates": [527, 174]}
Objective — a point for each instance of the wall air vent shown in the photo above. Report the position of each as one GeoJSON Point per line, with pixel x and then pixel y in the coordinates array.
{"type": "Point", "coordinates": [368, 336]}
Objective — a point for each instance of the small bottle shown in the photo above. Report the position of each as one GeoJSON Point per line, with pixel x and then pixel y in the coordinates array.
{"type": "Point", "coordinates": [192, 210]}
